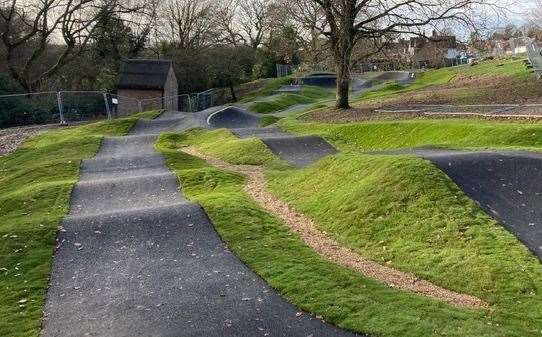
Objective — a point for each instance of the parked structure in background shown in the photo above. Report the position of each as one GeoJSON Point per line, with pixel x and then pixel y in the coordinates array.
{"type": "Point", "coordinates": [434, 52]}
{"type": "Point", "coordinates": [418, 52]}
{"type": "Point", "coordinates": [145, 80]}
{"type": "Point", "coordinates": [512, 46]}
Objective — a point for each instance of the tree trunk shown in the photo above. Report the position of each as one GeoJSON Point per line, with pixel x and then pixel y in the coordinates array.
{"type": "Point", "coordinates": [232, 91]}
{"type": "Point", "coordinates": [343, 81]}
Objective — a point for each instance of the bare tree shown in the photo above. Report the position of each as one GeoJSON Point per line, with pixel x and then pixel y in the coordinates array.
{"type": "Point", "coordinates": [351, 21]}
{"type": "Point", "coordinates": [189, 24]}
{"type": "Point", "coordinates": [310, 20]}
{"type": "Point", "coordinates": [227, 16]}
{"type": "Point", "coordinates": [254, 21]}
{"type": "Point", "coordinates": [35, 24]}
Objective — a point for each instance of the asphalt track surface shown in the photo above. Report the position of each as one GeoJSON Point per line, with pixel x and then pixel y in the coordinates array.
{"type": "Point", "coordinates": [135, 258]}
{"type": "Point", "coordinates": [505, 184]}
{"type": "Point", "coordinates": [298, 151]}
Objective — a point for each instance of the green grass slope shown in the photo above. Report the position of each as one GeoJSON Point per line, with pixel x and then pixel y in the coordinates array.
{"type": "Point", "coordinates": [314, 284]}
{"type": "Point", "coordinates": [455, 133]}
{"type": "Point", "coordinates": [35, 185]}
{"type": "Point", "coordinates": [486, 82]}
{"type": "Point", "coordinates": [279, 102]}
{"type": "Point", "coordinates": [403, 212]}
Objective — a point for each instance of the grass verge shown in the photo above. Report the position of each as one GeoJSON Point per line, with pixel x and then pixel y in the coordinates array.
{"type": "Point", "coordinates": [280, 102]}
{"type": "Point", "coordinates": [340, 295]}
{"type": "Point", "coordinates": [35, 185]}
{"type": "Point", "coordinates": [451, 133]}
{"type": "Point", "coordinates": [504, 80]}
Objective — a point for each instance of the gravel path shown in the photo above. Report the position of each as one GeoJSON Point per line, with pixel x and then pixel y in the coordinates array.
{"type": "Point", "coordinates": [12, 138]}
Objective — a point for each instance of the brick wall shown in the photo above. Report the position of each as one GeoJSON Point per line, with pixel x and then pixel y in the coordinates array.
{"type": "Point", "coordinates": [128, 100]}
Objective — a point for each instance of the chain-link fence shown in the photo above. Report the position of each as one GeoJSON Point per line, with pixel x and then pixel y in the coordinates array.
{"type": "Point", "coordinates": [77, 106]}
{"type": "Point", "coordinates": [208, 99]}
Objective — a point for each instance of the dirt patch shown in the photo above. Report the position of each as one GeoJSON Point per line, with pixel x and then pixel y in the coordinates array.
{"type": "Point", "coordinates": [489, 89]}
{"type": "Point", "coordinates": [329, 248]}
{"type": "Point", "coordinates": [12, 138]}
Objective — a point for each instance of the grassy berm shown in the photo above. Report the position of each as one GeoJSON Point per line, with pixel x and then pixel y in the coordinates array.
{"type": "Point", "coordinates": [397, 210]}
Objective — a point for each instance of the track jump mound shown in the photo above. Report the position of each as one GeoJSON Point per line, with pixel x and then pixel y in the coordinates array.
{"type": "Point", "coordinates": [360, 84]}
{"type": "Point", "coordinates": [398, 76]}
{"type": "Point", "coordinates": [260, 132]}
{"type": "Point", "coordinates": [166, 123]}
{"type": "Point", "coordinates": [232, 117]}
{"type": "Point", "coordinates": [320, 80]}
{"type": "Point", "coordinates": [507, 185]}
{"type": "Point", "coordinates": [299, 151]}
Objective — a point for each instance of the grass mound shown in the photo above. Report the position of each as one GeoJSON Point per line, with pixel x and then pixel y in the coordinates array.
{"type": "Point", "coordinates": [35, 186]}
{"type": "Point", "coordinates": [464, 133]}
{"type": "Point", "coordinates": [268, 89]}
{"type": "Point", "coordinates": [283, 101]}
{"type": "Point", "coordinates": [404, 212]}
{"type": "Point", "coordinates": [397, 210]}
{"type": "Point", "coordinates": [223, 144]}
{"type": "Point", "coordinates": [314, 284]}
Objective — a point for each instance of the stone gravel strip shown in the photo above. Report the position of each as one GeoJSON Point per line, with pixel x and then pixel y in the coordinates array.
{"type": "Point", "coordinates": [329, 248]}
{"type": "Point", "coordinates": [12, 138]}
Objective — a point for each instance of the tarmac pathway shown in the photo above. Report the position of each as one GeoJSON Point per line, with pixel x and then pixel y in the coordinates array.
{"type": "Point", "coordinates": [135, 258]}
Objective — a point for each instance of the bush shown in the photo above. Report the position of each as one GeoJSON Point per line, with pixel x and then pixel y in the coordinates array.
{"type": "Point", "coordinates": [21, 110]}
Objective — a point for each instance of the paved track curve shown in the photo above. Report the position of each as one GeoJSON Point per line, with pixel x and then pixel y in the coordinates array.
{"type": "Point", "coordinates": [135, 258]}
{"type": "Point", "coordinates": [505, 184]}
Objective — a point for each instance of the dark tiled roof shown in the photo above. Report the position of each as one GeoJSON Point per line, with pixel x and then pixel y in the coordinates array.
{"type": "Point", "coordinates": [144, 74]}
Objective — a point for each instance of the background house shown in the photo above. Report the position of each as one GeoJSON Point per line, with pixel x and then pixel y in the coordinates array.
{"type": "Point", "coordinates": [146, 79]}
{"type": "Point", "coordinates": [438, 51]}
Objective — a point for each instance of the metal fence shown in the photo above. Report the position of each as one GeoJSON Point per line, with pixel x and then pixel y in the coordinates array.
{"type": "Point", "coordinates": [208, 99]}
{"type": "Point", "coordinates": [534, 53]}
{"type": "Point", "coordinates": [76, 106]}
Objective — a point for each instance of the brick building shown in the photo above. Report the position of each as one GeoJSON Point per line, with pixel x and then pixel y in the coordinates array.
{"type": "Point", "coordinates": [145, 80]}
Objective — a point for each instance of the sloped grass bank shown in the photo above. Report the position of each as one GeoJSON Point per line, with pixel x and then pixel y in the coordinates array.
{"type": "Point", "coordinates": [35, 185]}
{"type": "Point", "coordinates": [282, 101]}
{"type": "Point", "coordinates": [403, 212]}
{"type": "Point", "coordinates": [340, 295]}
{"type": "Point", "coordinates": [464, 133]}
{"type": "Point", "coordinates": [486, 82]}
{"type": "Point", "coordinates": [223, 144]}
{"type": "Point", "coordinates": [268, 89]}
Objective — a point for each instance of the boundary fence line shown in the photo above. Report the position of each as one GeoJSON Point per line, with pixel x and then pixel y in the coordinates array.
{"type": "Point", "coordinates": [534, 54]}
{"type": "Point", "coordinates": [70, 105]}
